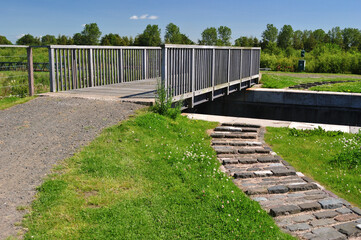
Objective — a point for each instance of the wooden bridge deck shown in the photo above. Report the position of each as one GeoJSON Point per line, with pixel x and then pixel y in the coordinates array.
{"type": "Point", "coordinates": [142, 91]}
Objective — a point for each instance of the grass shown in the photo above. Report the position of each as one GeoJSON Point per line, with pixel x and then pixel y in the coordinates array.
{"type": "Point", "coordinates": [284, 81]}
{"type": "Point", "coordinates": [15, 83]}
{"type": "Point", "coordinates": [12, 101]}
{"type": "Point", "coordinates": [150, 177]}
{"type": "Point", "coordinates": [313, 154]}
{"type": "Point", "coordinates": [353, 87]}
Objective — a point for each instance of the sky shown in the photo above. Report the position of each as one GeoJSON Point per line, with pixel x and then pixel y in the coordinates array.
{"type": "Point", "coordinates": [130, 17]}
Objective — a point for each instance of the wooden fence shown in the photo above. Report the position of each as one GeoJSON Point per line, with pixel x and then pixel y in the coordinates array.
{"type": "Point", "coordinates": [203, 73]}
{"type": "Point", "coordinates": [74, 67]}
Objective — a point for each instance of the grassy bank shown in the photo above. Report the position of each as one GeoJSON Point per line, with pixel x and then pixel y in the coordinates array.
{"type": "Point", "coordinates": [12, 101]}
{"type": "Point", "coordinates": [148, 178]}
{"type": "Point", "coordinates": [333, 159]}
{"type": "Point", "coordinates": [271, 80]}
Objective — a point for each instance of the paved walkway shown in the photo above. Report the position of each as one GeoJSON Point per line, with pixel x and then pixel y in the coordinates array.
{"type": "Point", "coordinates": [142, 91]}
{"type": "Point", "coordinates": [299, 205]}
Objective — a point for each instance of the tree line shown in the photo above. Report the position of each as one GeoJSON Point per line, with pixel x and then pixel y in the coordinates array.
{"type": "Point", "coordinates": [273, 40]}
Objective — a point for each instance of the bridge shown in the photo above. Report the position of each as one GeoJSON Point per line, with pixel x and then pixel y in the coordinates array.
{"type": "Point", "coordinates": [192, 73]}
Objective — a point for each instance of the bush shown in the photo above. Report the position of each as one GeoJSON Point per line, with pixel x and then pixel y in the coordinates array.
{"type": "Point", "coordinates": [163, 103]}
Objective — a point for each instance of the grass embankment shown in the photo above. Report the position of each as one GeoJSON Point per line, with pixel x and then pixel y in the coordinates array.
{"type": "Point", "coordinates": [284, 81]}
{"type": "Point", "coordinates": [12, 101]}
{"type": "Point", "coordinates": [148, 178]}
{"type": "Point", "coordinates": [331, 158]}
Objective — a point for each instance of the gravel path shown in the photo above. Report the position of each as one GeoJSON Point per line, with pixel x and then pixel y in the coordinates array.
{"type": "Point", "coordinates": [36, 135]}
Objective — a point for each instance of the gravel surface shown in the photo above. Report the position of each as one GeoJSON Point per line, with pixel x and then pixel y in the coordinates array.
{"type": "Point", "coordinates": [36, 135]}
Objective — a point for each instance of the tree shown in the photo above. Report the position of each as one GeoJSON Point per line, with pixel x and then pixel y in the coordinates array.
{"type": "Point", "coordinates": [285, 37]}
{"type": "Point", "coordinates": [172, 34]}
{"type": "Point", "coordinates": [309, 41]}
{"type": "Point", "coordinates": [150, 37]}
{"type": "Point", "coordinates": [244, 42]}
{"type": "Point", "coordinates": [297, 39]}
{"type": "Point", "coordinates": [64, 40]}
{"type": "Point", "coordinates": [28, 39]}
{"type": "Point", "coordinates": [320, 36]}
{"type": "Point", "coordinates": [112, 40]}
{"type": "Point", "coordinates": [209, 36]}
{"type": "Point", "coordinates": [89, 36]}
{"type": "Point", "coordinates": [48, 40]}
{"type": "Point", "coordinates": [224, 36]}
{"type": "Point", "coordinates": [4, 41]}
{"type": "Point", "coordinates": [351, 38]}
{"type": "Point", "coordinates": [270, 34]}
{"type": "Point", "coordinates": [335, 36]}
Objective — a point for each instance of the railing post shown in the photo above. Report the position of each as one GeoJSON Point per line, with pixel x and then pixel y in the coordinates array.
{"type": "Point", "coordinates": [228, 69]}
{"type": "Point", "coordinates": [193, 78]}
{"type": "Point", "coordinates": [145, 64]}
{"type": "Point", "coordinates": [91, 68]}
{"type": "Point", "coordinates": [250, 71]}
{"type": "Point", "coordinates": [213, 70]}
{"type": "Point", "coordinates": [121, 66]}
{"type": "Point", "coordinates": [52, 69]}
{"type": "Point", "coordinates": [30, 71]}
{"type": "Point", "coordinates": [164, 81]}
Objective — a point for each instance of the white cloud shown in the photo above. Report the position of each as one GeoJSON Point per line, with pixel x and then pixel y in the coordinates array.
{"type": "Point", "coordinates": [144, 16]}
{"type": "Point", "coordinates": [20, 36]}
{"type": "Point", "coordinates": [153, 17]}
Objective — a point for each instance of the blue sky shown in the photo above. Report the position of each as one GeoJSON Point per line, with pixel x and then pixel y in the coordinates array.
{"type": "Point", "coordinates": [245, 18]}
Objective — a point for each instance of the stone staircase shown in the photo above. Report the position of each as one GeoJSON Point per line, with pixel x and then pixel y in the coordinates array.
{"type": "Point", "coordinates": [299, 205]}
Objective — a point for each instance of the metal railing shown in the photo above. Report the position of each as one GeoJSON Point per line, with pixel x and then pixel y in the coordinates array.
{"type": "Point", "coordinates": [74, 67]}
{"type": "Point", "coordinates": [192, 71]}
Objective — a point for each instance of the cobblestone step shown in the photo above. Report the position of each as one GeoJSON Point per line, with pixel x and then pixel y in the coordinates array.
{"type": "Point", "coordinates": [299, 205]}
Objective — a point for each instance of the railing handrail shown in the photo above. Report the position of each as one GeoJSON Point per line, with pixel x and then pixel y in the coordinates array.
{"type": "Point", "coordinates": [14, 46]}
{"type": "Point", "coordinates": [100, 47]}
{"type": "Point", "coordinates": [207, 47]}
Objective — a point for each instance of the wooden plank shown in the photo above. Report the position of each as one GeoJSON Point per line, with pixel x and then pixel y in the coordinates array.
{"type": "Point", "coordinates": [30, 71]}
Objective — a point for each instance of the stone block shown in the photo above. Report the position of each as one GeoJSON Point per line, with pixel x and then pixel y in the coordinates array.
{"type": "Point", "coordinates": [226, 161]}
{"type": "Point", "coordinates": [298, 227]}
{"type": "Point", "coordinates": [261, 150]}
{"type": "Point", "coordinates": [277, 189]}
{"type": "Point", "coordinates": [284, 210]}
{"type": "Point", "coordinates": [217, 135]}
{"type": "Point", "coordinates": [265, 173]}
{"type": "Point", "coordinates": [247, 160]}
{"type": "Point", "coordinates": [246, 151]}
{"type": "Point", "coordinates": [303, 218]}
{"type": "Point", "coordinates": [322, 222]}
{"type": "Point", "coordinates": [260, 199]}
{"type": "Point", "coordinates": [346, 217]}
{"type": "Point", "coordinates": [256, 191]}
{"type": "Point", "coordinates": [254, 169]}
{"type": "Point", "coordinates": [302, 187]}
{"type": "Point", "coordinates": [356, 210]}
{"type": "Point", "coordinates": [267, 159]}
{"type": "Point", "coordinates": [327, 233]}
{"type": "Point", "coordinates": [243, 175]}
{"type": "Point", "coordinates": [283, 172]}
{"type": "Point", "coordinates": [238, 143]}
{"type": "Point", "coordinates": [330, 203]}
{"type": "Point", "coordinates": [327, 214]}
{"type": "Point", "coordinates": [312, 206]}
{"type": "Point", "coordinates": [343, 210]}
{"type": "Point", "coordinates": [349, 229]}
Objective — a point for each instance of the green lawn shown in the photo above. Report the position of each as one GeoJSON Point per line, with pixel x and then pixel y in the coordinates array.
{"type": "Point", "coordinates": [270, 80]}
{"type": "Point", "coordinates": [352, 87]}
{"type": "Point", "coordinates": [12, 101]}
{"type": "Point", "coordinates": [313, 154]}
{"type": "Point", "coordinates": [150, 177]}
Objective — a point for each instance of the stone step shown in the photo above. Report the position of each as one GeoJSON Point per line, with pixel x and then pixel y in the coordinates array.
{"type": "Point", "coordinates": [235, 129]}
{"type": "Point", "coordinates": [276, 189]}
{"type": "Point", "coordinates": [235, 143]}
{"type": "Point", "coordinates": [241, 125]}
{"type": "Point", "coordinates": [233, 135]}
